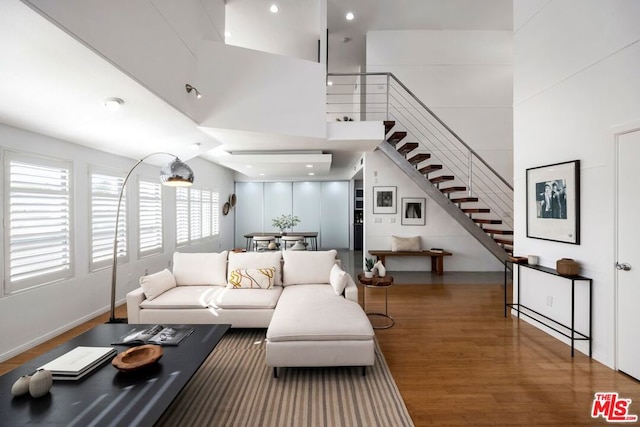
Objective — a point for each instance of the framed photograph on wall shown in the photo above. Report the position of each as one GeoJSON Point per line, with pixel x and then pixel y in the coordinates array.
{"type": "Point", "coordinates": [413, 210]}
{"type": "Point", "coordinates": [553, 202]}
{"type": "Point", "coordinates": [384, 200]}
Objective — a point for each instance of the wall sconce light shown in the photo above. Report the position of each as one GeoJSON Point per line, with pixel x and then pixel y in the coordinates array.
{"type": "Point", "coordinates": [190, 88]}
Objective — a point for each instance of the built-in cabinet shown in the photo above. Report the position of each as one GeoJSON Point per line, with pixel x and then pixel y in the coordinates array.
{"type": "Point", "coordinates": [322, 206]}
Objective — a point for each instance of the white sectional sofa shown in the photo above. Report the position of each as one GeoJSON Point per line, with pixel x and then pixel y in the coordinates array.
{"type": "Point", "coordinates": [309, 305]}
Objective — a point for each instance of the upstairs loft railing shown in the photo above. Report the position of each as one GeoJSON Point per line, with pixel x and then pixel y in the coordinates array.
{"type": "Point", "coordinates": [382, 96]}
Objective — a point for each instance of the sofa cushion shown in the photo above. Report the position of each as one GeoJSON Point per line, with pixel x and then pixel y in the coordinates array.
{"type": "Point", "coordinates": [156, 284]}
{"type": "Point", "coordinates": [192, 269]}
{"type": "Point", "coordinates": [316, 313]}
{"type": "Point", "coordinates": [183, 297]}
{"type": "Point", "coordinates": [256, 260]}
{"type": "Point", "coordinates": [252, 278]}
{"type": "Point", "coordinates": [246, 298]}
{"type": "Point", "coordinates": [305, 267]}
{"type": "Point", "coordinates": [338, 279]}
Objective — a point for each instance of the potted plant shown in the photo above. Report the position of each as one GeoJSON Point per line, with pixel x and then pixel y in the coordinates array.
{"type": "Point", "coordinates": [368, 267]}
{"type": "Point", "coordinates": [284, 222]}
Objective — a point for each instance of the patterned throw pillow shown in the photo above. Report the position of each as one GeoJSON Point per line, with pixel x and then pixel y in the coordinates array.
{"type": "Point", "coordinates": [252, 278]}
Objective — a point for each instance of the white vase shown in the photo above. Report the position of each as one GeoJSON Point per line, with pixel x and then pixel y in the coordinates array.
{"type": "Point", "coordinates": [382, 271]}
{"type": "Point", "coordinates": [40, 383]}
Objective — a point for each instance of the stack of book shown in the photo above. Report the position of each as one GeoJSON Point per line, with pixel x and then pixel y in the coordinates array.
{"type": "Point", "coordinates": [79, 362]}
{"type": "Point", "coordinates": [437, 250]}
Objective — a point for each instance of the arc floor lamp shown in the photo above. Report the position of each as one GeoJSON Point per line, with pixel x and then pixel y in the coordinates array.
{"type": "Point", "coordinates": [174, 174]}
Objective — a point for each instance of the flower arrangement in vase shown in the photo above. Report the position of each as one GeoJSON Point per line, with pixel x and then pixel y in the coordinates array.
{"type": "Point", "coordinates": [284, 222]}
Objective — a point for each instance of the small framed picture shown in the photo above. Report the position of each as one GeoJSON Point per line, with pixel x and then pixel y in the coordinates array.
{"type": "Point", "coordinates": [553, 202]}
{"type": "Point", "coordinates": [413, 210]}
{"type": "Point", "coordinates": [384, 200]}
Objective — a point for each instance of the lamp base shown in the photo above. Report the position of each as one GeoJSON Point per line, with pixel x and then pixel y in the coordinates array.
{"type": "Point", "coordinates": [118, 320]}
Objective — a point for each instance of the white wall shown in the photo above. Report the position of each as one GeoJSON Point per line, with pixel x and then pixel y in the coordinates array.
{"type": "Point", "coordinates": [465, 77]}
{"type": "Point", "coordinates": [440, 230]}
{"type": "Point", "coordinates": [575, 79]}
{"type": "Point", "coordinates": [38, 314]}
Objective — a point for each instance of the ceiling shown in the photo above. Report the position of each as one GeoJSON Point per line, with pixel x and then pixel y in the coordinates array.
{"type": "Point", "coordinates": [53, 84]}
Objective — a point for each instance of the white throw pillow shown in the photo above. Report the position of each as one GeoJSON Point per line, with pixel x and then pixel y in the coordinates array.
{"type": "Point", "coordinates": [200, 268]}
{"type": "Point", "coordinates": [410, 244]}
{"type": "Point", "coordinates": [307, 267]}
{"type": "Point", "coordinates": [155, 284]}
{"type": "Point", "coordinates": [256, 260]}
{"type": "Point", "coordinates": [252, 278]}
{"type": "Point", "coordinates": [338, 279]}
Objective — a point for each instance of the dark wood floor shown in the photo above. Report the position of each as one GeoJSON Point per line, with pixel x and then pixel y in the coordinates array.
{"type": "Point", "coordinates": [458, 361]}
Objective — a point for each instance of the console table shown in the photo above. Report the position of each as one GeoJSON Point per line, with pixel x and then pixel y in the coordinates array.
{"type": "Point", "coordinates": [564, 330]}
{"type": "Point", "coordinates": [107, 396]}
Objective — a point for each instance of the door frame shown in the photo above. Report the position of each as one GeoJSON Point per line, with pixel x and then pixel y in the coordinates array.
{"type": "Point", "coordinates": [615, 134]}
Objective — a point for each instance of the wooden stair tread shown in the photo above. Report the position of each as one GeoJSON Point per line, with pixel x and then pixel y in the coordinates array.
{"type": "Point", "coordinates": [407, 148]}
{"type": "Point", "coordinates": [388, 124]}
{"type": "Point", "coordinates": [453, 189]}
{"type": "Point", "coordinates": [396, 137]}
{"type": "Point", "coordinates": [503, 232]}
{"type": "Point", "coordinates": [429, 169]}
{"type": "Point", "coordinates": [465, 199]}
{"type": "Point", "coordinates": [476, 210]}
{"type": "Point", "coordinates": [487, 221]}
{"type": "Point", "coordinates": [419, 158]}
{"type": "Point", "coordinates": [504, 242]}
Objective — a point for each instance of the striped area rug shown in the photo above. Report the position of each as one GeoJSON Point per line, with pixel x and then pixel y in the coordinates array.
{"type": "Point", "coordinates": [234, 387]}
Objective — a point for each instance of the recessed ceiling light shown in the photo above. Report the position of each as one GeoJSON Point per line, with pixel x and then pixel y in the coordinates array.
{"type": "Point", "coordinates": [227, 34]}
{"type": "Point", "coordinates": [274, 8]}
{"type": "Point", "coordinates": [309, 166]}
{"type": "Point", "coordinates": [329, 83]}
{"type": "Point", "coordinates": [249, 166]}
{"type": "Point", "coordinates": [261, 174]}
{"type": "Point", "coordinates": [311, 173]}
{"type": "Point", "coordinates": [113, 104]}
{"type": "Point", "coordinates": [195, 145]}
{"type": "Point", "coordinates": [349, 16]}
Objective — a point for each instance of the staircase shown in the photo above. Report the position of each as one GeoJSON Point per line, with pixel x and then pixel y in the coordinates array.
{"type": "Point", "coordinates": [485, 230]}
{"type": "Point", "coordinates": [432, 155]}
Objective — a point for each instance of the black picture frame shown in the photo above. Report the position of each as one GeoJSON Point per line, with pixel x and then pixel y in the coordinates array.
{"type": "Point", "coordinates": [384, 200]}
{"type": "Point", "coordinates": [413, 210]}
{"type": "Point", "coordinates": [553, 202]}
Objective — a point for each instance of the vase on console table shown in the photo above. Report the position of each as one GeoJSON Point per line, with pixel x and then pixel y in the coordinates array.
{"type": "Point", "coordinates": [368, 274]}
{"type": "Point", "coordinates": [382, 271]}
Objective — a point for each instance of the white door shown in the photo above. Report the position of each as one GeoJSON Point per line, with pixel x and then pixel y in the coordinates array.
{"type": "Point", "coordinates": [628, 262]}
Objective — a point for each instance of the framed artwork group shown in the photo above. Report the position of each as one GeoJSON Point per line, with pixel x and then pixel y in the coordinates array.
{"type": "Point", "coordinates": [412, 208]}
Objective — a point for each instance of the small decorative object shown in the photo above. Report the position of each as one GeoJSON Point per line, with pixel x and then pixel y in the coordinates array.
{"type": "Point", "coordinates": [271, 246]}
{"type": "Point", "coordinates": [533, 260]}
{"type": "Point", "coordinates": [368, 267]}
{"type": "Point", "coordinates": [382, 271]}
{"type": "Point", "coordinates": [137, 357]}
{"type": "Point", "coordinates": [21, 386]}
{"type": "Point", "coordinates": [567, 267]}
{"type": "Point", "coordinates": [40, 383]}
{"type": "Point", "coordinates": [284, 222]}
{"type": "Point", "coordinates": [225, 209]}
{"type": "Point", "coordinates": [299, 246]}
{"type": "Point", "coordinates": [232, 200]}
{"type": "Point", "coordinates": [553, 202]}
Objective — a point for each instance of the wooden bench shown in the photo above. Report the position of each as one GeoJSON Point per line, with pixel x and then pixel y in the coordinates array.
{"type": "Point", "coordinates": [437, 258]}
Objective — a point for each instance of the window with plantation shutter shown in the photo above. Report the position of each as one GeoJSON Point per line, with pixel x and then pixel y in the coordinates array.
{"type": "Point", "coordinates": [182, 215]}
{"type": "Point", "coordinates": [150, 218]}
{"type": "Point", "coordinates": [38, 245]}
{"type": "Point", "coordinates": [105, 190]}
{"type": "Point", "coordinates": [196, 215]}
{"type": "Point", "coordinates": [215, 211]}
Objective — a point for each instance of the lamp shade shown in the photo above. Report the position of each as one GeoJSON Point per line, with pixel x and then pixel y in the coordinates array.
{"type": "Point", "coordinates": [176, 174]}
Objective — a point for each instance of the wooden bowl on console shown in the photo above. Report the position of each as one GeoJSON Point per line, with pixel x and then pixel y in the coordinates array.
{"type": "Point", "coordinates": [137, 357]}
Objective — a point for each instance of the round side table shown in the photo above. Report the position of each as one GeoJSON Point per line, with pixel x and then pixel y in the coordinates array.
{"type": "Point", "coordinates": [385, 283]}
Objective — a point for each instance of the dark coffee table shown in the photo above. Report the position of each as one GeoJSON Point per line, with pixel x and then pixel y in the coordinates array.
{"type": "Point", "coordinates": [107, 396]}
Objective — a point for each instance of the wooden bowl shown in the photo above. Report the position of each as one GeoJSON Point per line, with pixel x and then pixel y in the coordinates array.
{"type": "Point", "coordinates": [137, 357]}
